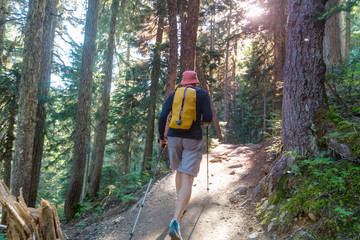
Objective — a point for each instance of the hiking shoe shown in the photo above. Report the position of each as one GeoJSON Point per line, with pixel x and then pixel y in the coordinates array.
{"type": "Point", "coordinates": [174, 230]}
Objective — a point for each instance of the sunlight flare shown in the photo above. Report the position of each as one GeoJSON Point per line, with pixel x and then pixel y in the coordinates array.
{"type": "Point", "coordinates": [254, 11]}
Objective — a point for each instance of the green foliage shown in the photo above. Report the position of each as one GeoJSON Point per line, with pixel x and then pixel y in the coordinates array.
{"type": "Point", "coordinates": [3, 236]}
{"type": "Point", "coordinates": [86, 207]}
{"type": "Point", "coordinates": [326, 188]}
{"type": "Point", "coordinates": [345, 132]}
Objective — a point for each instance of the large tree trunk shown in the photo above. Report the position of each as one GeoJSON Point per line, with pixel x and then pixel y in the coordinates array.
{"type": "Point", "coordinates": [205, 87]}
{"type": "Point", "coordinates": [304, 75]}
{"type": "Point", "coordinates": [44, 87]}
{"type": "Point", "coordinates": [100, 133]}
{"type": "Point", "coordinates": [173, 57]}
{"type": "Point", "coordinates": [3, 15]}
{"type": "Point", "coordinates": [334, 41]}
{"type": "Point", "coordinates": [21, 174]}
{"type": "Point", "coordinates": [279, 28]}
{"type": "Point", "coordinates": [83, 111]}
{"type": "Point", "coordinates": [191, 35]}
{"type": "Point", "coordinates": [153, 89]}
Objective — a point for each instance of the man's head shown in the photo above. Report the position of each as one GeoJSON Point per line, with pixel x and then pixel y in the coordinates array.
{"type": "Point", "coordinates": [189, 78]}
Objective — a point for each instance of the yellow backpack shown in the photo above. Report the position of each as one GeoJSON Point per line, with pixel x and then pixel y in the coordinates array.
{"type": "Point", "coordinates": [183, 108]}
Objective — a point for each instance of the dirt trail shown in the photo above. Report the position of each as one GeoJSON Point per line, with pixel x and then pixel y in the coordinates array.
{"type": "Point", "coordinates": [209, 215]}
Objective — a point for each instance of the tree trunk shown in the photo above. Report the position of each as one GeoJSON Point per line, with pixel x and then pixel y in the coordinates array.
{"type": "Point", "coordinates": [184, 32]}
{"type": "Point", "coordinates": [153, 90]}
{"type": "Point", "coordinates": [100, 133]}
{"type": "Point", "coordinates": [83, 111]}
{"type": "Point", "coordinates": [191, 35]}
{"type": "Point", "coordinates": [279, 29]}
{"type": "Point", "coordinates": [205, 87]}
{"type": "Point", "coordinates": [21, 173]}
{"type": "Point", "coordinates": [334, 42]}
{"type": "Point", "coordinates": [43, 92]}
{"type": "Point", "coordinates": [242, 124]}
{"type": "Point", "coordinates": [233, 86]}
{"type": "Point", "coordinates": [127, 157]}
{"type": "Point", "coordinates": [347, 35]}
{"type": "Point", "coordinates": [304, 75]}
{"type": "Point", "coordinates": [226, 91]}
{"type": "Point", "coordinates": [264, 110]}
{"type": "Point", "coordinates": [8, 149]}
{"type": "Point", "coordinates": [173, 57]}
{"type": "Point", "coordinates": [3, 15]}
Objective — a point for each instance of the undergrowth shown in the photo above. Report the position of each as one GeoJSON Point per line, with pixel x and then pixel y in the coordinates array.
{"type": "Point", "coordinates": [323, 192]}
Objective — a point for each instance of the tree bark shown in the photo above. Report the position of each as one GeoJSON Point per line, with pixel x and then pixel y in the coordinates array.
{"type": "Point", "coordinates": [127, 150]}
{"type": "Point", "coordinates": [43, 93]}
{"type": "Point", "coordinates": [304, 75]}
{"type": "Point", "coordinates": [21, 173]}
{"type": "Point", "coordinates": [153, 89]}
{"type": "Point", "coordinates": [226, 90]}
{"type": "Point", "coordinates": [205, 87]}
{"type": "Point", "coordinates": [8, 149]}
{"type": "Point", "coordinates": [173, 57]}
{"type": "Point", "coordinates": [83, 111]}
{"type": "Point", "coordinates": [334, 42]}
{"type": "Point", "coordinates": [347, 35]}
{"type": "Point", "coordinates": [212, 36]}
{"type": "Point", "coordinates": [233, 86]}
{"type": "Point", "coordinates": [279, 29]}
{"type": "Point", "coordinates": [184, 32]}
{"type": "Point", "coordinates": [191, 35]}
{"type": "Point", "coordinates": [264, 110]}
{"type": "Point", "coordinates": [3, 15]}
{"type": "Point", "coordinates": [100, 133]}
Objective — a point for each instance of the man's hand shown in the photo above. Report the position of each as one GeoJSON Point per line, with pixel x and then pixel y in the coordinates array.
{"type": "Point", "coordinates": [163, 142]}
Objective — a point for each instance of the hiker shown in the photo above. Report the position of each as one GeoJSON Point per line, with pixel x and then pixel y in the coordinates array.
{"type": "Point", "coordinates": [190, 107]}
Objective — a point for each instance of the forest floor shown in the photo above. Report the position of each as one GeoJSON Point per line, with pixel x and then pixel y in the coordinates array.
{"type": "Point", "coordinates": [235, 171]}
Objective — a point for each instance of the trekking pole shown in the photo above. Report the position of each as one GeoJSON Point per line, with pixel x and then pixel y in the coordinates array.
{"type": "Point", "coordinates": [147, 190]}
{"type": "Point", "coordinates": [207, 157]}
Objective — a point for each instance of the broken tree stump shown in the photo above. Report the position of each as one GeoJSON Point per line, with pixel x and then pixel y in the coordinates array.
{"type": "Point", "coordinates": [29, 223]}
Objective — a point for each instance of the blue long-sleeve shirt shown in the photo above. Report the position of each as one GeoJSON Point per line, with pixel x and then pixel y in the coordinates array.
{"type": "Point", "coordinates": [203, 113]}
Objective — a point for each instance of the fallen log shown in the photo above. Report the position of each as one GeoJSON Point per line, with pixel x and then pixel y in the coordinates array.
{"type": "Point", "coordinates": [29, 223]}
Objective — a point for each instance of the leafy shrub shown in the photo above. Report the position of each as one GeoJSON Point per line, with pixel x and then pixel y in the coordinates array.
{"type": "Point", "coordinates": [330, 190]}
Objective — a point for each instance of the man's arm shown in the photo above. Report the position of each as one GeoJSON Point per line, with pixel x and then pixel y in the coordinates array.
{"type": "Point", "coordinates": [163, 116]}
{"type": "Point", "coordinates": [206, 107]}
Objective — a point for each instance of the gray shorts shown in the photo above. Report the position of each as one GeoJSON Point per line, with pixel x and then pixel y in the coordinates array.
{"type": "Point", "coordinates": [185, 154]}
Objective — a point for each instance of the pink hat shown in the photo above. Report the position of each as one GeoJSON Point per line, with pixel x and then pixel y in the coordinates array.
{"type": "Point", "coordinates": [189, 77]}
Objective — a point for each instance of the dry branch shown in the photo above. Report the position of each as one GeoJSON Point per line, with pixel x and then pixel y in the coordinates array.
{"type": "Point", "coordinates": [28, 223]}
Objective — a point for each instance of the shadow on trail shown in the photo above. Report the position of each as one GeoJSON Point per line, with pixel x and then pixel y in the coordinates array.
{"type": "Point", "coordinates": [163, 234]}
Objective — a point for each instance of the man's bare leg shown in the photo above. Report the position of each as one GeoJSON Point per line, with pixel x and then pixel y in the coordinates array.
{"type": "Point", "coordinates": [184, 184]}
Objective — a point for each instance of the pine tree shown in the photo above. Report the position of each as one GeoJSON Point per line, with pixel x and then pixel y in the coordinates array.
{"type": "Point", "coordinates": [304, 75]}
{"type": "Point", "coordinates": [3, 15]}
{"type": "Point", "coordinates": [101, 130]}
{"type": "Point", "coordinates": [83, 111]}
{"type": "Point", "coordinates": [21, 172]}
{"type": "Point", "coordinates": [44, 87]}
{"type": "Point", "coordinates": [189, 41]}
{"type": "Point", "coordinates": [154, 87]}
{"type": "Point", "coordinates": [173, 55]}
